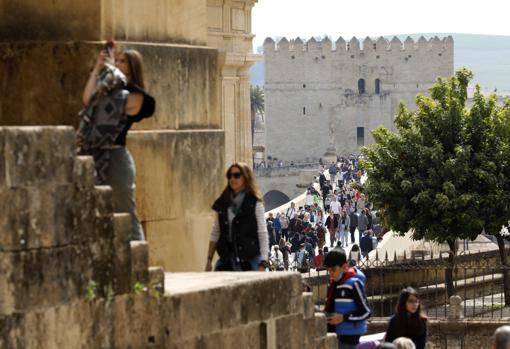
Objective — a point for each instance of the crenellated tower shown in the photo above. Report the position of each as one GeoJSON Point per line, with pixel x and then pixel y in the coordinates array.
{"type": "Point", "coordinates": [349, 87]}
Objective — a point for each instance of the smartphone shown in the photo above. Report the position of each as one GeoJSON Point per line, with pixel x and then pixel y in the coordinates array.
{"type": "Point", "coordinates": [330, 315]}
{"type": "Point", "coordinates": [108, 47]}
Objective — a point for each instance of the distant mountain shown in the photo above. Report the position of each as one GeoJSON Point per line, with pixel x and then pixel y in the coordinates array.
{"type": "Point", "coordinates": [488, 56]}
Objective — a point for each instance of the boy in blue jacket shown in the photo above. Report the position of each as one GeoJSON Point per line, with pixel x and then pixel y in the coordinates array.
{"type": "Point", "coordinates": [346, 306]}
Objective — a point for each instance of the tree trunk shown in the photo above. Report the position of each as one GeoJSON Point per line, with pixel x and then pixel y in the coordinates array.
{"type": "Point", "coordinates": [448, 273]}
{"type": "Point", "coordinates": [505, 270]}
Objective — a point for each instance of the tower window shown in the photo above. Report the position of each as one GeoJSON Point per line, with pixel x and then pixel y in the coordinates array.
{"type": "Point", "coordinates": [360, 136]}
{"type": "Point", "coordinates": [361, 86]}
{"type": "Point", "coordinates": [377, 86]}
{"type": "Point", "coordinates": [304, 110]}
{"type": "Point", "coordinates": [304, 85]}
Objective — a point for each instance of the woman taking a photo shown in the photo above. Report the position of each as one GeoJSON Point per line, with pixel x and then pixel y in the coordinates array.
{"type": "Point", "coordinates": [408, 321]}
{"type": "Point", "coordinates": [114, 99]}
{"type": "Point", "coordinates": [239, 232]}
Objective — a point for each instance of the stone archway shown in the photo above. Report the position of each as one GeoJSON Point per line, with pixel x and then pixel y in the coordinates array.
{"type": "Point", "coordinates": [274, 198]}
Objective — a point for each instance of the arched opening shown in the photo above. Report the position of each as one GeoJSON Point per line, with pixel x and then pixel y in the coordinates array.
{"type": "Point", "coordinates": [377, 86]}
{"type": "Point", "coordinates": [361, 86]}
{"type": "Point", "coordinates": [274, 199]}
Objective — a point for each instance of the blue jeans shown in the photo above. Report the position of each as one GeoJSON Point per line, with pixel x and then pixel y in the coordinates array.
{"type": "Point", "coordinates": [121, 177]}
{"type": "Point", "coordinates": [227, 265]}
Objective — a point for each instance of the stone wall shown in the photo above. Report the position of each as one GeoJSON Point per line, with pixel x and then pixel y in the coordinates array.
{"type": "Point", "coordinates": [312, 95]}
{"type": "Point", "coordinates": [47, 49]}
{"type": "Point", "coordinates": [94, 20]}
{"type": "Point", "coordinates": [70, 277]}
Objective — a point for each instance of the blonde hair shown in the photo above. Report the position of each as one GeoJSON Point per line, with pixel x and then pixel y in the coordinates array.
{"type": "Point", "coordinates": [249, 182]}
{"type": "Point", "coordinates": [404, 343]}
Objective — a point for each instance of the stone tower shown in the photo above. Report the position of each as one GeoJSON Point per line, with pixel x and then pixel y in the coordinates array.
{"type": "Point", "coordinates": [319, 97]}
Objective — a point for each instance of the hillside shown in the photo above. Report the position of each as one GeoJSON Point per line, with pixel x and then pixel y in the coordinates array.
{"type": "Point", "coordinates": [488, 56]}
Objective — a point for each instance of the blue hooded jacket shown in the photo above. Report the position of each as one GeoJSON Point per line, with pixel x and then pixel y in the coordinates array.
{"type": "Point", "coordinates": [347, 296]}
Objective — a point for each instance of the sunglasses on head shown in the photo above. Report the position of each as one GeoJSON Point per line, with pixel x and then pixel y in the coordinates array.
{"type": "Point", "coordinates": [236, 175]}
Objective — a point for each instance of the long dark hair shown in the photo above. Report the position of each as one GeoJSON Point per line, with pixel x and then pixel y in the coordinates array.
{"type": "Point", "coordinates": [414, 324]}
{"type": "Point", "coordinates": [401, 308]}
{"type": "Point", "coordinates": [135, 63]}
{"type": "Point", "coordinates": [249, 182]}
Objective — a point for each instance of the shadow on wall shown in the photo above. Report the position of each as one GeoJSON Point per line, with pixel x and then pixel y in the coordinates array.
{"type": "Point", "coordinates": [274, 198]}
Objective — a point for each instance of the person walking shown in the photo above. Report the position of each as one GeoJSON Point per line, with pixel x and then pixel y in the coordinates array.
{"type": "Point", "coordinates": [291, 216]}
{"type": "Point", "coordinates": [239, 234]}
{"type": "Point", "coordinates": [362, 224]}
{"type": "Point", "coordinates": [353, 223]}
{"type": "Point", "coordinates": [346, 304]}
{"type": "Point", "coordinates": [114, 99]}
{"type": "Point", "coordinates": [332, 225]}
{"type": "Point", "coordinates": [408, 321]}
{"type": "Point", "coordinates": [284, 222]}
{"type": "Point", "coordinates": [344, 228]}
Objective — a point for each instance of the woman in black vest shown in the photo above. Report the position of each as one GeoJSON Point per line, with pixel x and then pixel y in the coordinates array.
{"type": "Point", "coordinates": [239, 233]}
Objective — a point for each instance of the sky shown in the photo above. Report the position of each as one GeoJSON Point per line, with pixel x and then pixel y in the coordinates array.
{"type": "Point", "coordinates": [361, 18]}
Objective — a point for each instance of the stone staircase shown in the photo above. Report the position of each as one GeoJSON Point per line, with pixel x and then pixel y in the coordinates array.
{"type": "Point", "coordinates": [71, 278]}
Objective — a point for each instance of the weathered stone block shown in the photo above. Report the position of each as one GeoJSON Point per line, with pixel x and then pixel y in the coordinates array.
{"type": "Point", "coordinates": [139, 262]}
{"type": "Point", "coordinates": [308, 305]}
{"type": "Point", "coordinates": [84, 198]}
{"type": "Point", "coordinates": [260, 293]}
{"type": "Point", "coordinates": [247, 336]}
{"type": "Point", "coordinates": [136, 323]}
{"type": "Point", "coordinates": [187, 314]}
{"type": "Point", "coordinates": [2, 157]}
{"type": "Point", "coordinates": [157, 279]}
{"type": "Point", "coordinates": [103, 200]}
{"type": "Point", "coordinates": [36, 156]}
{"type": "Point", "coordinates": [122, 255]}
{"type": "Point", "coordinates": [30, 20]}
{"type": "Point", "coordinates": [36, 217]}
{"type": "Point", "coordinates": [41, 278]}
{"type": "Point", "coordinates": [321, 325]}
{"type": "Point", "coordinates": [290, 331]}
{"type": "Point", "coordinates": [328, 342]}
{"type": "Point", "coordinates": [177, 249]}
{"type": "Point", "coordinates": [184, 81]}
{"type": "Point", "coordinates": [84, 173]}
{"type": "Point", "coordinates": [187, 88]}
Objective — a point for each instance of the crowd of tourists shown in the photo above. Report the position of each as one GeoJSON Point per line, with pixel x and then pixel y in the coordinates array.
{"type": "Point", "coordinates": [296, 238]}
{"type": "Point", "coordinates": [320, 234]}
{"type": "Point", "coordinates": [300, 236]}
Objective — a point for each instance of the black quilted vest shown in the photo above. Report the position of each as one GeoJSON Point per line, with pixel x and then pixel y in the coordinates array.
{"type": "Point", "coordinates": [245, 242]}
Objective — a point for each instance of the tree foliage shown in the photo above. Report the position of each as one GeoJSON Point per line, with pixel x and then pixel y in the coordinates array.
{"type": "Point", "coordinates": [256, 101]}
{"type": "Point", "coordinates": [256, 105]}
{"type": "Point", "coordinates": [444, 174]}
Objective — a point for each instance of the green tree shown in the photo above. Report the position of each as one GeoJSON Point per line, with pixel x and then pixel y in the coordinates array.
{"type": "Point", "coordinates": [256, 104]}
{"type": "Point", "coordinates": [443, 174]}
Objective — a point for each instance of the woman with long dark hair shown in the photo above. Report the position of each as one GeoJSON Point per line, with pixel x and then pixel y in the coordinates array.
{"type": "Point", "coordinates": [114, 99]}
{"type": "Point", "coordinates": [409, 320]}
{"type": "Point", "coordinates": [239, 233]}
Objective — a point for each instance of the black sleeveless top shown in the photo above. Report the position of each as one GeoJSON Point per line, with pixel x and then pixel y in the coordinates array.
{"type": "Point", "coordinates": [147, 110]}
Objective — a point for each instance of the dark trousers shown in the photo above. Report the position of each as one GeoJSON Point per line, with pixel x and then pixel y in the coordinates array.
{"type": "Point", "coordinates": [352, 230]}
{"type": "Point", "coordinates": [285, 234]}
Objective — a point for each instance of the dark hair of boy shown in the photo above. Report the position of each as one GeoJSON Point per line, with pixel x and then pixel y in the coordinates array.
{"type": "Point", "coordinates": [335, 257]}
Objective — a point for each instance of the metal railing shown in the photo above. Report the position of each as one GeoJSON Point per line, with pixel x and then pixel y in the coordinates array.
{"type": "Point", "coordinates": [285, 170]}
{"type": "Point", "coordinates": [477, 278]}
